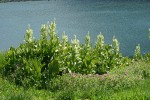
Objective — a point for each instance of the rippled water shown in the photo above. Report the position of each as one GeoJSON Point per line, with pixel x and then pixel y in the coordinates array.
{"type": "Point", "coordinates": [127, 21]}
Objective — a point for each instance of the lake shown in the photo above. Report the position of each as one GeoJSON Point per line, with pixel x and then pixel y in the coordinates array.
{"type": "Point", "coordinates": [127, 21]}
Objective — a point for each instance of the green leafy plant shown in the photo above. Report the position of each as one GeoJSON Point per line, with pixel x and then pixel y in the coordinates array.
{"type": "Point", "coordinates": [34, 60]}
{"type": "Point", "coordinates": [107, 56]}
{"type": "Point", "coordinates": [37, 62]}
{"type": "Point", "coordinates": [87, 52]}
{"type": "Point", "coordinates": [137, 53]}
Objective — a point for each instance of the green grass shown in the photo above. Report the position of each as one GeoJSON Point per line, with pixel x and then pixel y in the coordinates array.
{"type": "Point", "coordinates": [8, 91]}
{"type": "Point", "coordinates": [141, 92]}
{"type": "Point", "coordinates": [125, 83]}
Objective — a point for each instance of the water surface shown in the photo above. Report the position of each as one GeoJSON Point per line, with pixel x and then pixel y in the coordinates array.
{"type": "Point", "coordinates": [127, 21]}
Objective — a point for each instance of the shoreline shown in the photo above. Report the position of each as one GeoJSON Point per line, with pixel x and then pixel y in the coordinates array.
{"type": "Point", "coordinates": [5, 1]}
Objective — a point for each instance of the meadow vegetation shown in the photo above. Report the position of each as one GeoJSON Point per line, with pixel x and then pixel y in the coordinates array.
{"type": "Point", "coordinates": [54, 68]}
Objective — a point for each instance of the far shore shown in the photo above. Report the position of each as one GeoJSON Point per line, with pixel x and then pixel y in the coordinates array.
{"type": "Point", "coordinates": [5, 1]}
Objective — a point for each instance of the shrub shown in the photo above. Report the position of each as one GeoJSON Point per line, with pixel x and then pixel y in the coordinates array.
{"type": "Point", "coordinates": [107, 56]}
{"type": "Point", "coordinates": [36, 62]}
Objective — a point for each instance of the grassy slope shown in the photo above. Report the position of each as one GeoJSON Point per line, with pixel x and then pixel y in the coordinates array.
{"type": "Point", "coordinates": [8, 91]}
{"type": "Point", "coordinates": [129, 83]}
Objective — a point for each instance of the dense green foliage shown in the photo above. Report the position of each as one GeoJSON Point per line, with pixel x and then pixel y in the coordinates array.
{"type": "Point", "coordinates": [124, 83]}
{"type": "Point", "coordinates": [105, 87]}
{"type": "Point", "coordinates": [36, 62]}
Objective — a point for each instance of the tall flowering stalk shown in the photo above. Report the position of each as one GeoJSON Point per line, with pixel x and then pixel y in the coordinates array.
{"type": "Point", "coordinates": [28, 36]}
{"type": "Point", "coordinates": [75, 55]}
{"type": "Point", "coordinates": [43, 37]}
{"type": "Point", "coordinates": [88, 41]}
{"type": "Point", "coordinates": [52, 32]}
{"type": "Point", "coordinates": [87, 56]}
{"type": "Point", "coordinates": [115, 45]}
{"type": "Point", "coordinates": [100, 41]}
{"type": "Point", "coordinates": [137, 52]}
{"type": "Point", "coordinates": [44, 32]}
{"type": "Point", "coordinates": [63, 54]}
{"type": "Point", "coordinates": [100, 54]}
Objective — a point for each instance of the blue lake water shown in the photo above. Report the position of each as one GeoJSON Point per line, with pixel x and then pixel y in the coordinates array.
{"type": "Point", "coordinates": [127, 21]}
